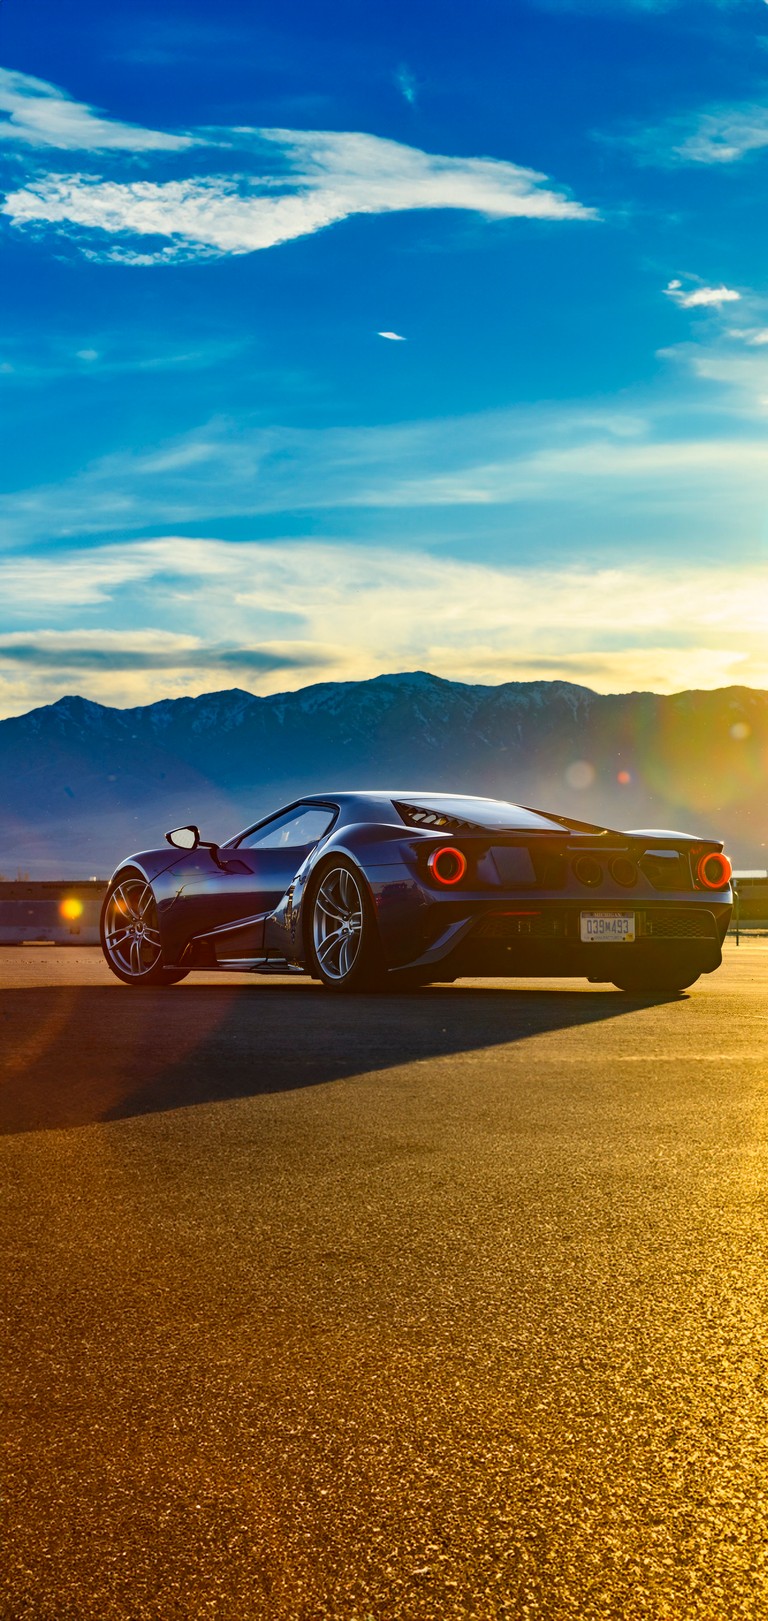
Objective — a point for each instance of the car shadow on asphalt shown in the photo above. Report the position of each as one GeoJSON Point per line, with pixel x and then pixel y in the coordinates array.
{"type": "Point", "coordinates": [74, 1056]}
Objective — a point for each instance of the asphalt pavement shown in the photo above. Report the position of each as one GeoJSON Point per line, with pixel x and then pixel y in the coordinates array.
{"type": "Point", "coordinates": [449, 1304]}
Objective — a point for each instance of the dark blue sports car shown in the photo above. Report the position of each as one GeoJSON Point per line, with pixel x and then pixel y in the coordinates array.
{"type": "Point", "coordinates": [362, 890]}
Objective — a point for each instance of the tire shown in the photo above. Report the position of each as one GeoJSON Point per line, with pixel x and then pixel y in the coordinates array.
{"type": "Point", "coordinates": [343, 944]}
{"type": "Point", "coordinates": [638, 983]}
{"type": "Point", "coordinates": [130, 936]}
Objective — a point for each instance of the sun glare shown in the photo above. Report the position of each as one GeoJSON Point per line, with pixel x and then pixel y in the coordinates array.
{"type": "Point", "coordinates": [71, 909]}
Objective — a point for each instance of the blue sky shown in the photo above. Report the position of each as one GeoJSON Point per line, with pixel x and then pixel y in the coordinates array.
{"type": "Point", "coordinates": [339, 339]}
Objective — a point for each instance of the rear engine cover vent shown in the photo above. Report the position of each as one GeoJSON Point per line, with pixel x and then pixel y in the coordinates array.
{"type": "Point", "coordinates": [551, 870]}
{"type": "Point", "coordinates": [666, 869]}
{"type": "Point", "coordinates": [513, 865]}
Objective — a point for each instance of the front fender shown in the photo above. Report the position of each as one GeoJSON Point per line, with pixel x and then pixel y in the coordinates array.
{"type": "Point", "coordinates": [162, 869]}
{"type": "Point", "coordinates": [151, 863]}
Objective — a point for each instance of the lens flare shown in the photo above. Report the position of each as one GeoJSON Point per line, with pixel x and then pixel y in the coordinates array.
{"type": "Point", "coordinates": [623, 777]}
{"type": "Point", "coordinates": [71, 909]}
{"type": "Point", "coordinates": [687, 757]}
{"type": "Point", "coordinates": [580, 775]}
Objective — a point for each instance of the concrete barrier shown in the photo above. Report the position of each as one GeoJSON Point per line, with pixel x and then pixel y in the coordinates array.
{"type": "Point", "coordinates": [56, 912]}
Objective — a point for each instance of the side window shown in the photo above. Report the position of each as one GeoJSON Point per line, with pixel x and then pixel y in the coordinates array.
{"type": "Point", "coordinates": [297, 828]}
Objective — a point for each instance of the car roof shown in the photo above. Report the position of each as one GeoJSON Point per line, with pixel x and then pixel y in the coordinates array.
{"type": "Point", "coordinates": [340, 796]}
{"type": "Point", "coordinates": [368, 805]}
{"type": "Point", "coordinates": [400, 807]}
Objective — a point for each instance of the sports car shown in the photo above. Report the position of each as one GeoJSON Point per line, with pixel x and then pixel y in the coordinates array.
{"type": "Point", "coordinates": [365, 890]}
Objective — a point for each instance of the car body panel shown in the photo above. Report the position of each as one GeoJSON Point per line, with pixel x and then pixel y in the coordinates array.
{"type": "Point", "coordinates": [517, 912]}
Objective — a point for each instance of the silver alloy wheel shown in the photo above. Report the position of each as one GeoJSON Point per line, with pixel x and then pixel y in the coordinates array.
{"type": "Point", "coordinates": [131, 934]}
{"type": "Point", "coordinates": [337, 923]}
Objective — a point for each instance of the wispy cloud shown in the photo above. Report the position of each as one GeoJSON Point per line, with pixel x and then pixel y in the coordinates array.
{"type": "Point", "coordinates": [80, 651]}
{"type": "Point", "coordinates": [719, 353]}
{"type": "Point", "coordinates": [406, 84]}
{"type": "Point", "coordinates": [570, 456]}
{"type": "Point", "coordinates": [39, 114]}
{"type": "Point", "coordinates": [306, 180]}
{"type": "Point", "coordinates": [395, 337]}
{"type": "Point", "coordinates": [43, 358]}
{"type": "Point", "coordinates": [755, 337]}
{"type": "Point", "coordinates": [724, 135]}
{"type": "Point", "coordinates": [714, 135]}
{"type": "Point", "coordinates": [612, 628]}
{"type": "Point", "coordinates": [737, 367]}
{"type": "Point", "coordinates": [700, 297]}
{"type": "Point", "coordinates": [737, 362]}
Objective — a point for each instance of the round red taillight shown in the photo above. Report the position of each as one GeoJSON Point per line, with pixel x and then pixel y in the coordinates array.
{"type": "Point", "coordinates": [714, 870]}
{"type": "Point", "coordinates": [448, 865]}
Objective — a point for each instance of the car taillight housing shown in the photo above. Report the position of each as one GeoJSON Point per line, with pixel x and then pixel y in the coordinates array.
{"type": "Point", "coordinates": [713, 870]}
{"type": "Point", "coordinates": [447, 865]}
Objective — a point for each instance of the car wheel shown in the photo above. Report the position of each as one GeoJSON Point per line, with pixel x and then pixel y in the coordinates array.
{"type": "Point", "coordinates": [130, 933]}
{"type": "Point", "coordinates": [344, 946]}
{"type": "Point", "coordinates": [638, 983]}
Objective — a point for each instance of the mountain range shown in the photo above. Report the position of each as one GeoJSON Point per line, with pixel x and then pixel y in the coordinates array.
{"type": "Point", "coordinates": [82, 784]}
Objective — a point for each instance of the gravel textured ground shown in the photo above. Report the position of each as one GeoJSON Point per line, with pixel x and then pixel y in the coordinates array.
{"type": "Point", "coordinates": [445, 1305]}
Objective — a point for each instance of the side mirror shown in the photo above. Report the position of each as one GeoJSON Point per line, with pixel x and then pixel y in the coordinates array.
{"type": "Point", "coordinates": [184, 838]}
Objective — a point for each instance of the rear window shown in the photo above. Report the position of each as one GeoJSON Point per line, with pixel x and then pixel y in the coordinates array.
{"type": "Point", "coordinates": [463, 814]}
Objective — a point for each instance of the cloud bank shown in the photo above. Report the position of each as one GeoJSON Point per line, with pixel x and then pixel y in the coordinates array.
{"type": "Point", "coordinates": [350, 617]}
{"type": "Point", "coordinates": [588, 463]}
{"type": "Point", "coordinates": [272, 185]}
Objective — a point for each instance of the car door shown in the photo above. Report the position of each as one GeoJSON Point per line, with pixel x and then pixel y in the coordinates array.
{"type": "Point", "coordinates": [230, 902]}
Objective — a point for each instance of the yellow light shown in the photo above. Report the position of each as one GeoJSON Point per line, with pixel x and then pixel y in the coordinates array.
{"type": "Point", "coordinates": [71, 909]}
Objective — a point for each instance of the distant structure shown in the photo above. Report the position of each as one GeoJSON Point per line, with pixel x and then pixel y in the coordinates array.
{"type": "Point", "coordinates": [751, 886]}
{"type": "Point", "coordinates": [51, 913]}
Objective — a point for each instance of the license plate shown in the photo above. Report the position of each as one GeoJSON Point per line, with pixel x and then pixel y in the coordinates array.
{"type": "Point", "coordinates": [607, 925]}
